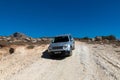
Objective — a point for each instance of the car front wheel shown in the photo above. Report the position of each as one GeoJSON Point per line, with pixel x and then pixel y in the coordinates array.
{"type": "Point", "coordinates": [70, 53]}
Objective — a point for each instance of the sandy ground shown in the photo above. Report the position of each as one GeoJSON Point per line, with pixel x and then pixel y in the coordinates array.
{"type": "Point", "coordinates": [88, 62]}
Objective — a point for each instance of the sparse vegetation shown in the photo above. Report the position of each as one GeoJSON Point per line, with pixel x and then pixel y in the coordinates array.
{"type": "Point", "coordinates": [30, 47]}
{"type": "Point", "coordinates": [11, 50]}
{"type": "Point", "coordinates": [21, 39]}
{"type": "Point", "coordinates": [85, 38]}
{"type": "Point", "coordinates": [1, 46]}
{"type": "Point", "coordinates": [110, 37]}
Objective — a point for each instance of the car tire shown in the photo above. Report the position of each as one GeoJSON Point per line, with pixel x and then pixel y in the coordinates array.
{"type": "Point", "coordinates": [73, 47]}
{"type": "Point", "coordinates": [70, 53]}
{"type": "Point", "coordinates": [51, 54]}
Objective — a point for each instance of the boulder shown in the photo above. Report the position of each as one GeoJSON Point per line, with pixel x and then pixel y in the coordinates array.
{"type": "Point", "coordinates": [34, 40]}
{"type": "Point", "coordinates": [19, 35]}
{"type": "Point", "coordinates": [98, 38]}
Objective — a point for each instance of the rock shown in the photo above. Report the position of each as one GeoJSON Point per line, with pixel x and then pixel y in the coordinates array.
{"type": "Point", "coordinates": [38, 40]}
{"type": "Point", "coordinates": [93, 39]}
{"type": "Point", "coordinates": [106, 41]}
{"type": "Point", "coordinates": [27, 39]}
{"type": "Point", "coordinates": [34, 40]}
{"type": "Point", "coordinates": [8, 38]}
{"type": "Point", "coordinates": [98, 38]}
{"type": "Point", "coordinates": [19, 35]}
{"type": "Point", "coordinates": [10, 41]}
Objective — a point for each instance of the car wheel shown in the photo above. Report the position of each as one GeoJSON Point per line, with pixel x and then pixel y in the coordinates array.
{"type": "Point", "coordinates": [51, 54]}
{"type": "Point", "coordinates": [70, 53]}
{"type": "Point", "coordinates": [73, 47]}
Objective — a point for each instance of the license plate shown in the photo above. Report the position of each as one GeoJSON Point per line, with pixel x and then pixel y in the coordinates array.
{"type": "Point", "coordinates": [57, 52]}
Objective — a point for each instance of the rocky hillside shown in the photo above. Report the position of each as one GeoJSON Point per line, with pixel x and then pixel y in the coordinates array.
{"type": "Point", "coordinates": [20, 39]}
{"type": "Point", "coordinates": [110, 39]}
{"type": "Point", "coordinates": [8, 44]}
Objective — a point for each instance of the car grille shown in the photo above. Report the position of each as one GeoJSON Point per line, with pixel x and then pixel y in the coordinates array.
{"type": "Point", "coordinates": [58, 47]}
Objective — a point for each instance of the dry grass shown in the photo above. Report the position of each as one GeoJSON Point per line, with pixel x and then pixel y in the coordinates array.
{"type": "Point", "coordinates": [30, 47]}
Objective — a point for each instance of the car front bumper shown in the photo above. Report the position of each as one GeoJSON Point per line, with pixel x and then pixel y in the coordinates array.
{"type": "Point", "coordinates": [61, 53]}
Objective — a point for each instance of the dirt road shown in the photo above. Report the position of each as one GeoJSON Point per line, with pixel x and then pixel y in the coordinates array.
{"type": "Point", "coordinates": [88, 62]}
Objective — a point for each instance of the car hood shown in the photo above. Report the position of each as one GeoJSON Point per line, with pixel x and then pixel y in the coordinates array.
{"type": "Point", "coordinates": [58, 44]}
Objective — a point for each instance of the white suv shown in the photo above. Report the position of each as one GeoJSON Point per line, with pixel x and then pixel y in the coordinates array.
{"type": "Point", "coordinates": [62, 45]}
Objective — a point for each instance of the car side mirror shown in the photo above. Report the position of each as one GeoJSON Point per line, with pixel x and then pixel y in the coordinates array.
{"type": "Point", "coordinates": [52, 41]}
{"type": "Point", "coordinates": [72, 39]}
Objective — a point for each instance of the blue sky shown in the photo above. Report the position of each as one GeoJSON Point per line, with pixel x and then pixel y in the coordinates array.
{"type": "Point", "coordinates": [39, 18]}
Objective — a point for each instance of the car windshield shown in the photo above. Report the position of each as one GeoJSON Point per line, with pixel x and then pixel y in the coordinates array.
{"type": "Point", "coordinates": [61, 39]}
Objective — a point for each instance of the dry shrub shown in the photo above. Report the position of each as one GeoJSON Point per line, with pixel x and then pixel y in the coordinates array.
{"type": "Point", "coordinates": [11, 50]}
{"type": "Point", "coordinates": [1, 45]}
{"type": "Point", "coordinates": [30, 47]}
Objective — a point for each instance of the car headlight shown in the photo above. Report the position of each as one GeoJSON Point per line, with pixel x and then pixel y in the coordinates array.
{"type": "Point", "coordinates": [65, 46]}
{"type": "Point", "coordinates": [50, 47]}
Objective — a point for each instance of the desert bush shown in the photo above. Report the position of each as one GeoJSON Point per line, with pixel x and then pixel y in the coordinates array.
{"type": "Point", "coordinates": [11, 50]}
{"type": "Point", "coordinates": [85, 38]}
{"type": "Point", "coordinates": [110, 37]}
{"type": "Point", "coordinates": [30, 47]}
{"type": "Point", "coordinates": [1, 45]}
{"type": "Point", "coordinates": [98, 38]}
